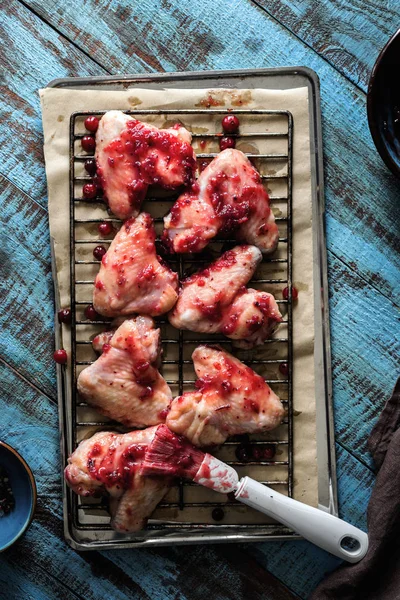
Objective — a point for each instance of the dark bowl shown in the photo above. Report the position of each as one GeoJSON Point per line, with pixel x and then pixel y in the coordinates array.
{"type": "Point", "coordinates": [383, 104]}
{"type": "Point", "coordinates": [23, 486]}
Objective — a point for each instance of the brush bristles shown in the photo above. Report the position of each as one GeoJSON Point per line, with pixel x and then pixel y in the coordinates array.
{"type": "Point", "coordinates": [170, 454]}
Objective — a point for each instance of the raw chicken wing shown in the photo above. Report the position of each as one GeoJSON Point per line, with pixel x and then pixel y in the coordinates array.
{"type": "Point", "coordinates": [231, 399]}
{"type": "Point", "coordinates": [131, 155]}
{"type": "Point", "coordinates": [124, 382]}
{"type": "Point", "coordinates": [131, 278]}
{"type": "Point", "coordinates": [109, 462]}
{"type": "Point", "coordinates": [228, 198]}
{"type": "Point", "coordinates": [214, 300]}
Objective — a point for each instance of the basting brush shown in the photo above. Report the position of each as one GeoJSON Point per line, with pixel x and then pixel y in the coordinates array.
{"type": "Point", "coordinates": [172, 455]}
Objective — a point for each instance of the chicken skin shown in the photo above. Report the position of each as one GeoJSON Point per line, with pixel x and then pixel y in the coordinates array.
{"type": "Point", "coordinates": [131, 278]}
{"type": "Point", "coordinates": [229, 198]}
{"type": "Point", "coordinates": [124, 382]}
{"type": "Point", "coordinates": [214, 300]}
{"type": "Point", "coordinates": [231, 399]}
{"type": "Point", "coordinates": [110, 463]}
{"type": "Point", "coordinates": [131, 155]}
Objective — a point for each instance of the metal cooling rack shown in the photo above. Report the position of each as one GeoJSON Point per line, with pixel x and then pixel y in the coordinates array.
{"type": "Point", "coordinates": [180, 382]}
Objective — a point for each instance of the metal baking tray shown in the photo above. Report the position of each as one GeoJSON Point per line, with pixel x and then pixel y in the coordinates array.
{"type": "Point", "coordinates": [86, 524]}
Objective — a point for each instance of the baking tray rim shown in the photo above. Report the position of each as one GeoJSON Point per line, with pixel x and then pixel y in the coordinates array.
{"type": "Point", "coordinates": [325, 423]}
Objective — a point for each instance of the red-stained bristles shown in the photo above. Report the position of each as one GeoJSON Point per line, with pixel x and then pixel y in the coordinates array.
{"type": "Point", "coordinates": [171, 454]}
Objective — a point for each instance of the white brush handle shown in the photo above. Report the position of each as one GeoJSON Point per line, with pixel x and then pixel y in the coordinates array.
{"type": "Point", "coordinates": [320, 528]}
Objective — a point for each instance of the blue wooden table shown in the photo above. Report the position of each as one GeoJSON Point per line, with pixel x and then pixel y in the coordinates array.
{"type": "Point", "coordinates": [43, 40]}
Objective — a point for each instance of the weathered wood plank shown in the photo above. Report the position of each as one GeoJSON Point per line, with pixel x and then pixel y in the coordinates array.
{"type": "Point", "coordinates": [349, 35]}
{"type": "Point", "coordinates": [31, 54]}
{"type": "Point", "coordinates": [29, 423]}
{"type": "Point", "coordinates": [362, 198]}
{"type": "Point", "coordinates": [365, 333]}
{"type": "Point", "coordinates": [26, 288]}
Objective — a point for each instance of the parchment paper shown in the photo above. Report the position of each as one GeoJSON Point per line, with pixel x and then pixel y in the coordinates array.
{"type": "Point", "coordinates": [59, 104]}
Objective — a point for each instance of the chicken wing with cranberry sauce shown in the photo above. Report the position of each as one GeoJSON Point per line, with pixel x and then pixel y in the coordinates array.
{"type": "Point", "coordinates": [132, 278]}
{"type": "Point", "coordinates": [228, 198]}
{"type": "Point", "coordinates": [215, 300]}
{"type": "Point", "coordinates": [131, 155]}
{"type": "Point", "coordinates": [124, 382]}
{"type": "Point", "coordinates": [109, 463]}
{"type": "Point", "coordinates": [230, 399]}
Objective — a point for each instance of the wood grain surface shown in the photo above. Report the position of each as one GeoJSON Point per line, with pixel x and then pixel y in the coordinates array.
{"type": "Point", "coordinates": [340, 41]}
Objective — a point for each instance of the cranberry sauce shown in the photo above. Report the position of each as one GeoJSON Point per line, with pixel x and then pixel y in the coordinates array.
{"type": "Point", "coordinates": [154, 156]}
{"type": "Point", "coordinates": [227, 377]}
{"type": "Point", "coordinates": [116, 464]}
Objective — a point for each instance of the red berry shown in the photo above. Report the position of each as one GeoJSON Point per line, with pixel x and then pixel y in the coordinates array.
{"type": "Point", "coordinates": [217, 514]}
{"type": "Point", "coordinates": [243, 453]}
{"type": "Point", "coordinates": [90, 313]}
{"type": "Point", "coordinates": [88, 143]}
{"type": "Point", "coordinates": [227, 142]}
{"type": "Point", "coordinates": [91, 123]}
{"type": "Point", "coordinates": [89, 191]}
{"type": "Point", "coordinates": [284, 368]}
{"type": "Point", "coordinates": [105, 228]}
{"type": "Point", "coordinates": [230, 124]}
{"type": "Point", "coordinates": [90, 166]}
{"type": "Point", "coordinates": [64, 316]}
{"type": "Point", "coordinates": [99, 252]}
{"type": "Point", "coordinates": [203, 165]}
{"type": "Point", "coordinates": [295, 293]}
{"type": "Point", "coordinates": [60, 356]}
{"type": "Point", "coordinates": [257, 453]}
{"type": "Point", "coordinates": [269, 452]}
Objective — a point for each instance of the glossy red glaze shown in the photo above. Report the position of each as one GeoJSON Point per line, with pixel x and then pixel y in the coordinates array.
{"type": "Point", "coordinates": [115, 469]}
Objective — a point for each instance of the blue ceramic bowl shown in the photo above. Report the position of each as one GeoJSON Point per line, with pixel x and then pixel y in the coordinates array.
{"type": "Point", "coordinates": [383, 104]}
{"type": "Point", "coordinates": [23, 486]}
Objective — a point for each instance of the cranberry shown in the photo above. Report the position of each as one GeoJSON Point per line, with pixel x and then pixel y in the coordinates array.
{"type": "Point", "coordinates": [269, 451]}
{"type": "Point", "coordinates": [91, 124]}
{"type": "Point", "coordinates": [90, 166]}
{"type": "Point", "coordinates": [105, 228]}
{"type": "Point", "coordinates": [60, 356]}
{"type": "Point", "coordinates": [99, 252]}
{"type": "Point", "coordinates": [89, 190]}
{"type": "Point", "coordinates": [217, 514]}
{"type": "Point", "coordinates": [257, 453]}
{"type": "Point", "coordinates": [64, 316]}
{"type": "Point", "coordinates": [284, 368]}
{"type": "Point", "coordinates": [88, 143]}
{"type": "Point", "coordinates": [230, 124]}
{"type": "Point", "coordinates": [242, 453]}
{"type": "Point", "coordinates": [146, 393]}
{"type": "Point", "coordinates": [227, 142]}
{"type": "Point", "coordinates": [90, 313]}
{"type": "Point", "coordinates": [203, 165]}
{"type": "Point", "coordinates": [295, 293]}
